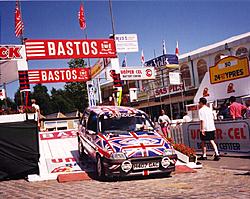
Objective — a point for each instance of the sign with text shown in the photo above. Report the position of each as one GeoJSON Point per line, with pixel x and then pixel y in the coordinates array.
{"type": "Point", "coordinates": [126, 43]}
{"type": "Point", "coordinates": [229, 68]}
{"type": "Point", "coordinates": [58, 75]}
{"type": "Point", "coordinates": [167, 60]}
{"type": "Point", "coordinates": [174, 78]}
{"type": "Point", "coordinates": [169, 90]}
{"type": "Point", "coordinates": [142, 73]}
{"type": "Point", "coordinates": [11, 52]}
{"type": "Point", "coordinates": [230, 136]}
{"type": "Point", "coordinates": [70, 49]}
{"type": "Point", "coordinates": [98, 67]}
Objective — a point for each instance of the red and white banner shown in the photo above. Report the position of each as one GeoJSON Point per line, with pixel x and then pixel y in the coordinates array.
{"type": "Point", "coordinates": [139, 73]}
{"type": "Point", "coordinates": [58, 75]}
{"type": "Point", "coordinates": [69, 49]}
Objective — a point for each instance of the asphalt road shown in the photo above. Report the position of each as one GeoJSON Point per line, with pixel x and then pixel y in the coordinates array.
{"type": "Point", "coordinates": [221, 179]}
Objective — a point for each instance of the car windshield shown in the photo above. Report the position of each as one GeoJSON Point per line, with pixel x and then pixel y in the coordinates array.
{"type": "Point", "coordinates": [121, 124]}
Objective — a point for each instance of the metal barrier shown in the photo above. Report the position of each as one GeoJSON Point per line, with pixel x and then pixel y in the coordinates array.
{"type": "Point", "coordinates": [176, 133]}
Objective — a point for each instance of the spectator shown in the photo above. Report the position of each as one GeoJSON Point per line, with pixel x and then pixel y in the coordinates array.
{"type": "Point", "coordinates": [164, 122]}
{"type": "Point", "coordinates": [37, 108]}
{"type": "Point", "coordinates": [248, 110]}
{"type": "Point", "coordinates": [236, 109]}
{"type": "Point", "coordinates": [186, 118]}
{"type": "Point", "coordinates": [207, 129]}
{"type": "Point", "coordinates": [223, 112]}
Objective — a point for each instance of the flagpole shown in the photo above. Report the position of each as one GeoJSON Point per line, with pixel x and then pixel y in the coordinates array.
{"type": "Point", "coordinates": [112, 17]}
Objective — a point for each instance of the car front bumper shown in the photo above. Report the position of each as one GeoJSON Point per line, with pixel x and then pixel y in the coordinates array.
{"type": "Point", "coordinates": [113, 168]}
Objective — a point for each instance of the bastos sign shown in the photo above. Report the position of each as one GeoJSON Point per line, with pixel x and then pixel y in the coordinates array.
{"type": "Point", "coordinates": [69, 49]}
{"type": "Point", "coordinates": [58, 75]}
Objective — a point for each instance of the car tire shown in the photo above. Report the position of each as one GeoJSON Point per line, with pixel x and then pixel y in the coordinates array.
{"type": "Point", "coordinates": [99, 168]}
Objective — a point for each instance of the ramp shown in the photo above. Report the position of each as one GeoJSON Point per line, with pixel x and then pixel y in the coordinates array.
{"type": "Point", "coordinates": [59, 155]}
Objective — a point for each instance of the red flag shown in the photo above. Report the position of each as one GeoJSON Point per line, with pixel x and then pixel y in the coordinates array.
{"type": "Point", "coordinates": [18, 22]}
{"type": "Point", "coordinates": [81, 18]}
{"type": "Point", "coordinates": [177, 49]}
{"type": "Point", "coordinates": [142, 58]}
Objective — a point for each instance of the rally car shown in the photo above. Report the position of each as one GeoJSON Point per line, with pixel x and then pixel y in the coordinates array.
{"type": "Point", "coordinates": [122, 142]}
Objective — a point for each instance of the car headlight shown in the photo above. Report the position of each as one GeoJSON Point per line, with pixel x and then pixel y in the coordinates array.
{"type": "Point", "coordinates": [168, 152]}
{"type": "Point", "coordinates": [118, 156]}
{"type": "Point", "coordinates": [126, 166]}
{"type": "Point", "coordinates": [165, 162]}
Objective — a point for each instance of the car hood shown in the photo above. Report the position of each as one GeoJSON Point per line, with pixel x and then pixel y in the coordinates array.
{"type": "Point", "coordinates": [135, 144]}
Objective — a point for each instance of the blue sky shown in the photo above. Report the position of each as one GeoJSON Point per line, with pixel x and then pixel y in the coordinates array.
{"type": "Point", "coordinates": [193, 23]}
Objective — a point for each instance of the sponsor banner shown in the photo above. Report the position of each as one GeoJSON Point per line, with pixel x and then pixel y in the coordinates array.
{"type": "Point", "coordinates": [58, 135]}
{"type": "Point", "coordinates": [230, 136]}
{"type": "Point", "coordinates": [98, 67]}
{"type": "Point", "coordinates": [58, 75]}
{"type": "Point", "coordinates": [70, 49]}
{"type": "Point", "coordinates": [2, 94]}
{"type": "Point", "coordinates": [63, 165]}
{"type": "Point", "coordinates": [229, 68]}
{"type": "Point", "coordinates": [174, 78]}
{"type": "Point", "coordinates": [167, 60]}
{"type": "Point", "coordinates": [139, 73]}
{"type": "Point", "coordinates": [12, 52]}
{"type": "Point", "coordinates": [126, 43]}
{"type": "Point", "coordinates": [169, 90]}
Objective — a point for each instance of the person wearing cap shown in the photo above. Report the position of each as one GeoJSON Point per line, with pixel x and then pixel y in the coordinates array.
{"type": "Point", "coordinates": [207, 129]}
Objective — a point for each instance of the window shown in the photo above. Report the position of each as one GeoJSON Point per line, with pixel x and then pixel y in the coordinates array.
{"type": "Point", "coordinates": [92, 122]}
{"type": "Point", "coordinates": [241, 52]}
{"type": "Point", "coordinates": [201, 68]}
{"type": "Point", "coordinates": [185, 72]}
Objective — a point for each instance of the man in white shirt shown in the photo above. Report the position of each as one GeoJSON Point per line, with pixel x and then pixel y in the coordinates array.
{"type": "Point", "coordinates": [37, 108]}
{"type": "Point", "coordinates": [164, 122]}
{"type": "Point", "coordinates": [207, 129]}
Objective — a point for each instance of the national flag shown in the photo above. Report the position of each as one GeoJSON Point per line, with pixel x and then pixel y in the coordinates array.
{"type": "Point", "coordinates": [81, 17]}
{"type": "Point", "coordinates": [142, 58]}
{"type": "Point", "coordinates": [177, 49]}
{"type": "Point", "coordinates": [124, 62]}
{"type": "Point", "coordinates": [164, 51]}
{"type": "Point", "coordinates": [19, 27]}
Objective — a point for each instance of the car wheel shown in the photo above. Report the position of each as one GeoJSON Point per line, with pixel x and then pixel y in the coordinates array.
{"type": "Point", "coordinates": [99, 168]}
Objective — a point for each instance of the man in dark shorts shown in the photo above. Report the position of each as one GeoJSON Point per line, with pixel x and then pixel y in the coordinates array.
{"type": "Point", "coordinates": [207, 129]}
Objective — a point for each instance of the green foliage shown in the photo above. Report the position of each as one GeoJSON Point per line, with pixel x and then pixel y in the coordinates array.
{"type": "Point", "coordinates": [77, 91]}
{"type": "Point", "coordinates": [42, 98]}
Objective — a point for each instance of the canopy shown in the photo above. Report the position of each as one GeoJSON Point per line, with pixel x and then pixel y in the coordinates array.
{"type": "Point", "coordinates": [8, 72]}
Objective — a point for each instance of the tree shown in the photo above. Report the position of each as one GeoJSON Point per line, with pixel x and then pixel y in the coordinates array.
{"type": "Point", "coordinates": [59, 101]}
{"type": "Point", "coordinates": [40, 94]}
{"type": "Point", "coordinates": [17, 97]}
{"type": "Point", "coordinates": [77, 91]}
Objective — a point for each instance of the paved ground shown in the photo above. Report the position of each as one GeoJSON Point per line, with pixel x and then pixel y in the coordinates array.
{"type": "Point", "coordinates": [213, 181]}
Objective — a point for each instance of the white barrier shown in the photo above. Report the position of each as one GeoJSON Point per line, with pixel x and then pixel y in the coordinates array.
{"type": "Point", "coordinates": [58, 154]}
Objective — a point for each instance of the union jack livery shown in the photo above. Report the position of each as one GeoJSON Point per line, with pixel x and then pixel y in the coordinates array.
{"type": "Point", "coordinates": [123, 142]}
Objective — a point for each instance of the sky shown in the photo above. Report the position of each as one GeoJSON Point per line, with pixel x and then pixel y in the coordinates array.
{"type": "Point", "coordinates": [192, 23]}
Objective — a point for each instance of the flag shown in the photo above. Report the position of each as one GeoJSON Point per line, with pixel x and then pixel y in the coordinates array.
{"type": "Point", "coordinates": [177, 49]}
{"type": "Point", "coordinates": [164, 51]}
{"type": "Point", "coordinates": [81, 17]}
{"type": "Point", "coordinates": [142, 58]}
{"type": "Point", "coordinates": [18, 22]}
{"type": "Point", "coordinates": [124, 62]}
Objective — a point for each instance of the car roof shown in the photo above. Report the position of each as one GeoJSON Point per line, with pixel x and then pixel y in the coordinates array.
{"type": "Point", "coordinates": [114, 110]}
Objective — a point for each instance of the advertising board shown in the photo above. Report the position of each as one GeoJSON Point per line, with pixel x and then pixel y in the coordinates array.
{"type": "Point", "coordinates": [137, 73]}
{"type": "Point", "coordinates": [126, 43]}
{"type": "Point", "coordinates": [69, 49]}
